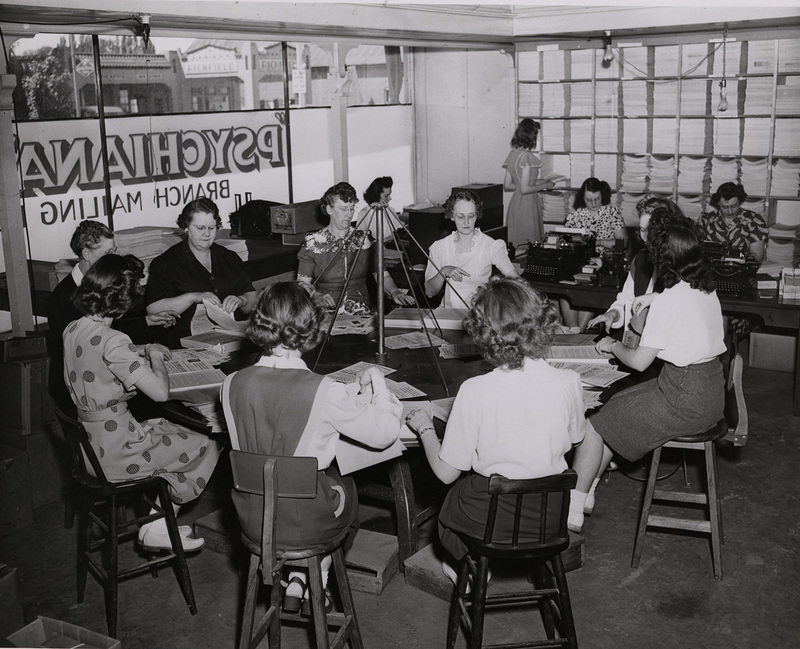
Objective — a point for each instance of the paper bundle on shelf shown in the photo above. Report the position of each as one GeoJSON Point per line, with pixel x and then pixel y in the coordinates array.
{"type": "Point", "coordinates": [529, 95]}
{"type": "Point", "coordinates": [555, 206]}
{"type": "Point", "coordinates": [760, 57]}
{"type": "Point", "coordinates": [692, 207]}
{"type": "Point", "coordinates": [634, 135]}
{"type": "Point", "coordinates": [786, 178]}
{"type": "Point", "coordinates": [580, 135]}
{"type": "Point", "coordinates": [666, 61]}
{"type": "Point", "coordinates": [665, 98]}
{"type": "Point", "coordinates": [581, 99]}
{"type": "Point", "coordinates": [553, 100]}
{"type": "Point", "coordinates": [553, 135]}
{"type": "Point", "coordinates": [785, 252]}
{"type": "Point", "coordinates": [580, 168]}
{"type": "Point", "coordinates": [239, 246]}
{"type": "Point", "coordinates": [634, 98]}
{"type": "Point", "coordinates": [693, 136]}
{"type": "Point", "coordinates": [690, 175]}
{"type": "Point", "coordinates": [634, 172]}
{"type": "Point", "coordinates": [722, 171]}
{"type": "Point", "coordinates": [754, 176]}
{"type": "Point", "coordinates": [695, 60]}
{"type": "Point", "coordinates": [628, 209]}
{"type": "Point", "coordinates": [787, 137]}
{"type": "Point", "coordinates": [756, 136]}
{"type": "Point", "coordinates": [145, 242]}
{"type": "Point", "coordinates": [789, 287]}
{"type": "Point", "coordinates": [553, 65]}
{"type": "Point", "coordinates": [726, 137]}
{"type": "Point", "coordinates": [664, 135]}
{"type": "Point", "coordinates": [634, 62]}
{"type": "Point", "coordinates": [788, 96]}
{"type": "Point", "coordinates": [694, 96]}
{"type": "Point", "coordinates": [606, 100]}
{"type": "Point", "coordinates": [528, 66]}
{"type": "Point", "coordinates": [605, 136]}
{"type": "Point", "coordinates": [758, 97]}
{"type": "Point", "coordinates": [662, 175]}
{"type": "Point", "coordinates": [733, 51]}
{"type": "Point", "coordinates": [581, 63]}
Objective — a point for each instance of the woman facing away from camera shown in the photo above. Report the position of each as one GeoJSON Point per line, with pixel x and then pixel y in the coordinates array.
{"type": "Point", "coordinates": [279, 407]}
{"type": "Point", "coordinates": [519, 420]}
{"type": "Point", "coordinates": [684, 328]}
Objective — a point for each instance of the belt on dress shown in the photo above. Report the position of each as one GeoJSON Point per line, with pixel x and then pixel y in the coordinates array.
{"type": "Point", "coordinates": [94, 416]}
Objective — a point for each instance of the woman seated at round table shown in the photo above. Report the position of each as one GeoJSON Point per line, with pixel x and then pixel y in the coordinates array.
{"type": "Point", "coordinates": [728, 223]}
{"type": "Point", "coordinates": [462, 262]}
{"type": "Point", "coordinates": [641, 278]}
{"type": "Point", "coordinates": [197, 269]}
{"type": "Point", "coordinates": [684, 329]}
{"type": "Point", "coordinates": [279, 407]}
{"type": "Point", "coordinates": [378, 194]}
{"type": "Point", "coordinates": [592, 211]}
{"type": "Point", "coordinates": [104, 370]}
{"type": "Point", "coordinates": [339, 250]}
{"type": "Point", "coordinates": [490, 427]}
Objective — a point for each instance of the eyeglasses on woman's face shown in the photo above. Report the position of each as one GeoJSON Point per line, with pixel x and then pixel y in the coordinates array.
{"type": "Point", "coordinates": [202, 229]}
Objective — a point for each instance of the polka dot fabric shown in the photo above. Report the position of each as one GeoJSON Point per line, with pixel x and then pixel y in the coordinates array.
{"type": "Point", "coordinates": [103, 367]}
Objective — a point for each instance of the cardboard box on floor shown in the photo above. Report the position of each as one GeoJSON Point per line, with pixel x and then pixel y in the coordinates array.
{"type": "Point", "coordinates": [47, 632]}
{"type": "Point", "coordinates": [11, 618]}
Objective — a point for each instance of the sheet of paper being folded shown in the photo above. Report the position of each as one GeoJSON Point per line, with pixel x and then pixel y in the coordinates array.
{"type": "Point", "coordinates": [351, 456]}
{"type": "Point", "coordinates": [403, 390]}
{"type": "Point", "coordinates": [408, 436]}
{"type": "Point", "coordinates": [442, 407]}
{"type": "Point", "coordinates": [223, 319]}
{"type": "Point", "coordinates": [592, 373]}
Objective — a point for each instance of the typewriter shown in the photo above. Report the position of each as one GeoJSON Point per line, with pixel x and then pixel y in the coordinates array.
{"type": "Point", "coordinates": [562, 254]}
{"type": "Point", "coordinates": [614, 269]}
{"type": "Point", "coordinates": [734, 271]}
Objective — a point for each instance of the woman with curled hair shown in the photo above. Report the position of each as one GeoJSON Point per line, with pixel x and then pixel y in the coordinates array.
{"type": "Point", "coordinates": [491, 427]}
{"type": "Point", "coordinates": [104, 370]}
{"type": "Point", "coordinates": [196, 270]}
{"type": "Point", "coordinates": [728, 223]}
{"type": "Point", "coordinates": [378, 194]}
{"type": "Point", "coordinates": [684, 329]}
{"type": "Point", "coordinates": [463, 261]}
{"type": "Point", "coordinates": [279, 407]}
{"type": "Point", "coordinates": [522, 178]}
{"type": "Point", "coordinates": [593, 212]}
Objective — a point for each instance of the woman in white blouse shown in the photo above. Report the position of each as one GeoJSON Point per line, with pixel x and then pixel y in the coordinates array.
{"type": "Point", "coordinates": [463, 260]}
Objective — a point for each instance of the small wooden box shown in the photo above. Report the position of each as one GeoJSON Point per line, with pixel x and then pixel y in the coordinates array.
{"type": "Point", "coordinates": [372, 561]}
{"type": "Point", "coordinates": [424, 569]}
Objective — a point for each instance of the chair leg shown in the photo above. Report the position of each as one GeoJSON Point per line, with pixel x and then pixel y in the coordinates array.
{"type": "Point", "coordinates": [564, 603]}
{"type": "Point", "coordinates": [456, 604]}
{"type": "Point", "coordinates": [250, 598]}
{"type": "Point", "coordinates": [317, 597]}
{"type": "Point", "coordinates": [84, 542]}
{"type": "Point", "coordinates": [184, 579]}
{"type": "Point", "coordinates": [275, 604]}
{"type": "Point", "coordinates": [346, 596]}
{"type": "Point", "coordinates": [647, 503]}
{"type": "Point", "coordinates": [111, 567]}
{"type": "Point", "coordinates": [714, 510]}
{"type": "Point", "coordinates": [540, 579]}
{"type": "Point", "coordinates": [479, 603]}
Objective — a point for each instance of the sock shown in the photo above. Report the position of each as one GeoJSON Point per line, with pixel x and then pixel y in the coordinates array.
{"type": "Point", "coordinates": [325, 566]}
{"type": "Point", "coordinates": [576, 503]}
{"type": "Point", "coordinates": [588, 505]}
{"type": "Point", "coordinates": [293, 589]}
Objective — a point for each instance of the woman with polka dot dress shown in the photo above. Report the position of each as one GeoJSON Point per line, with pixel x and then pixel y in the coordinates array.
{"type": "Point", "coordinates": [104, 369]}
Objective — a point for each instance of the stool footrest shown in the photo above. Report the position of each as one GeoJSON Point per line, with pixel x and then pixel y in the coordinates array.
{"type": "Point", "coordinates": [679, 523]}
{"type": "Point", "coordinates": [680, 496]}
{"type": "Point", "coordinates": [536, 644]}
{"type": "Point", "coordinates": [512, 599]}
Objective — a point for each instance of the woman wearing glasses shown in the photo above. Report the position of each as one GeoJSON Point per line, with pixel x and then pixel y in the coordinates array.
{"type": "Point", "coordinates": [464, 259]}
{"type": "Point", "coordinates": [197, 269]}
{"type": "Point", "coordinates": [338, 252]}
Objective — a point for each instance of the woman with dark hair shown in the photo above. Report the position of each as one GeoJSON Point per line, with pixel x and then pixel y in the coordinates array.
{"type": "Point", "coordinates": [464, 259]}
{"type": "Point", "coordinates": [641, 278]}
{"type": "Point", "coordinates": [197, 269]}
{"type": "Point", "coordinates": [741, 230]}
{"type": "Point", "coordinates": [104, 370]}
{"type": "Point", "coordinates": [378, 194]}
{"type": "Point", "coordinates": [490, 427]}
{"type": "Point", "coordinates": [593, 212]}
{"type": "Point", "coordinates": [339, 250]}
{"type": "Point", "coordinates": [684, 329]}
{"type": "Point", "coordinates": [522, 177]}
{"type": "Point", "coordinates": [279, 407]}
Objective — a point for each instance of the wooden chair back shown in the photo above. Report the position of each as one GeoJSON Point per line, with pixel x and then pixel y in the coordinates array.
{"type": "Point", "coordinates": [273, 477]}
{"type": "Point", "coordinates": [81, 450]}
{"type": "Point", "coordinates": [552, 493]}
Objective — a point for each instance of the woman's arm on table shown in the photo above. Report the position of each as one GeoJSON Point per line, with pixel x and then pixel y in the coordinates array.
{"type": "Point", "coordinates": [421, 423]}
{"type": "Point", "coordinates": [638, 359]}
{"type": "Point", "coordinates": [155, 384]}
{"type": "Point", "coordinates": [390, 288]}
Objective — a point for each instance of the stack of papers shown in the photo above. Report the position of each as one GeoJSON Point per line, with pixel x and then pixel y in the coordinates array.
{"type": "Point", "coordinates": [553, 65]}
{"type": "Point", "coordinates": [553, 100]}
{"type": "Point", "coordinates": [760, 56]}
{"type": "Point", "coordinates": [635, 62]}
{"type": "Point", "coordinates": [691, 174]}
{"type": "Point", "coordinates": [239, 246]}
{"type": "Point", "coordinates": [726, 137]}
{"type": "Point", "coordinates": [145, 242]}
{"type": "Point", "coordinates": [606, 98]}
{"type": "Point", "coordinates": [722, 171]}
{"type": "Point", "coordinates": [555, 207]}
{"type": "Point", "coordinates": [694, 96]}
{"type": "Point", "coordinates": [666, 61]}
{"type": "Point", "coordinates": [634, 135]}
{"type": "Point", "coordinates": [528, 66]}
{"type": "Point", "coordinates": [628, 209]}
{"type": "Point", "coordinates": [787, 137]}
{"type": "Point", "coordinates": [788, 97]}
{"type": "Point", "coordinates": [580, 137]}
{"type": "Point", "coordinates": [583, 353]}
{"type": "Point", "coordinates": [665, 97]}
{"type": "Point", "coordinates": [733, 50]}
{"type": "Point", "coordinates": [756, 136]}
{"type": "Point", "coordinates": [664, 130]}
{"type": "Point", "coordinates": [605, 136]}
{"type": "Point", "coordinates": [789, 55]}
{"type": "Point", "coordinates": [581, 62]}
{"type": "Point", "coordinates": [552, 135]}
{"type": "Point", "coordinates": [635, 169]}
{"type": "Point", "coordinates": [580, 101]}
{"type": "Point", "coordinates": [441, 408]}
{"type": "Point", "coordinates": [695, 60]}
{"type": "Point", "coordinates": [580, 168]}
{"type": "Point", "coordinates": [464, 350]}
{"type": "Point", "coordinates": [754, 177]}
{"type": "Point", "coordinates": [758, 99]}
{"type": "Point", "coordinates": [408, 318]}
{"type": "Point", "coordinates": [693, 137]}
{"type": "Point", "coordinates": [691, 207]}
{"type": "Point", "coordinates": [206, 401]}
{"type": "Point", "coordinates": [634, 98]}
{"type": "Point", "coordinates": [662, 174]}
{"type": "Point", "coordinates": [785, 178]}
{"type": "Point", "coordinates": [594, 374]}
{"type": "Point", "coordinates": [188, 372]}
{"type": "Point", "coordinates": [529, 99]}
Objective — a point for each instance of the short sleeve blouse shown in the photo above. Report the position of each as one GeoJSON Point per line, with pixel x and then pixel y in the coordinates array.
{"type": "Point", "coordinates": [603, 223]}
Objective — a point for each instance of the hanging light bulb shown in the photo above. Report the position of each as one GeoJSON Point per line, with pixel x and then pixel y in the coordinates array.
{"type": "Point", "coordinates": [723, 97]}
{"type": "Point", "coordinates": [608, 55]}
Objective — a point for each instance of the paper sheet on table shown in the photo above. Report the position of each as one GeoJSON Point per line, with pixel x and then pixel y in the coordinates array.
{"type": "Point", "coordinates": [464, 350]}
{"type": "Point", "coordinates": [223, 319]}
{"type": "Point", "coordinates": [415, 340]}
{"type": "Point", "coordinates": [354, 457]}
{"type": "Point", "coordinates": [352, 324]}
{"type": "Point", "coordinates": [403, 390]}
{"type": "Point", "coordinates": [583, 353]}
{"type": "Point", "coordinates": [560, 340]}
{"type": "Point", "coordinates": [350, 374]}
{"type": "Point", "coordinates": [442, 408]}
{"type": "Point", "coordinates": [210, 356]}
{"type": "Point", "coordinates": [200, 321]}
{"type": "Point", "coordinates": [592, 373]}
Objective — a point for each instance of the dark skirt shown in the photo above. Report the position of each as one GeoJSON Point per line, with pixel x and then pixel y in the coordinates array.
{"type": "Point", "coordinates": [465, 509]}
{"type": "Point", "coordinates": [681, 401]}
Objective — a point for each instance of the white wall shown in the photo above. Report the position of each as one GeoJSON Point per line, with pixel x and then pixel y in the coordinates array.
{"type": "Point", "coordinates": [464, 108]}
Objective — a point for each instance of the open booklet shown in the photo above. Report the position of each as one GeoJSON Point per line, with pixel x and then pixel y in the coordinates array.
{"type": "Point", "coordinates": [219, 331]}
{"type": "Point", "coordinates": [188, 373]}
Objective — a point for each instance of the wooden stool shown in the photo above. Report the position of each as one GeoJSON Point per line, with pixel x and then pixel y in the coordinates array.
{"type": "Point", "coordinates": [259, 475]}
{"type": "Point", "coordinates": [710, 525]}
{"type": "Point", "coordinates": [100, 501]}
{"type": "Point", "coordinates": [549, 591]}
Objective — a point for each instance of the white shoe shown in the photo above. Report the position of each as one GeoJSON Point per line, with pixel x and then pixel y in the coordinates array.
{"type": "Point", "coordinates": [153, 539]}
{"type": "Point", "coordinates": [575, 522]}
{"type": "Point", "coordinates": [185, 530]}
{"type": "Point", "coordinates": [588, 505]}
{"type": "Point", "coordinates": [451, 574]}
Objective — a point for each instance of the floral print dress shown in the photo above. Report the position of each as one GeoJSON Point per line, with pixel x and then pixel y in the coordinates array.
{"type": "Point", "coordinates": [603, 223]}
{"type": "Point", "coordinates": [101, 367]}
{"type": "Point", "coordinates": [328, 260]}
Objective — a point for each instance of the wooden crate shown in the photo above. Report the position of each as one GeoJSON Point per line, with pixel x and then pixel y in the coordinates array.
{"type": "Point", "coordinates": [372, 561]}
{"type": "Point", "coordinates": [424, 570]}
